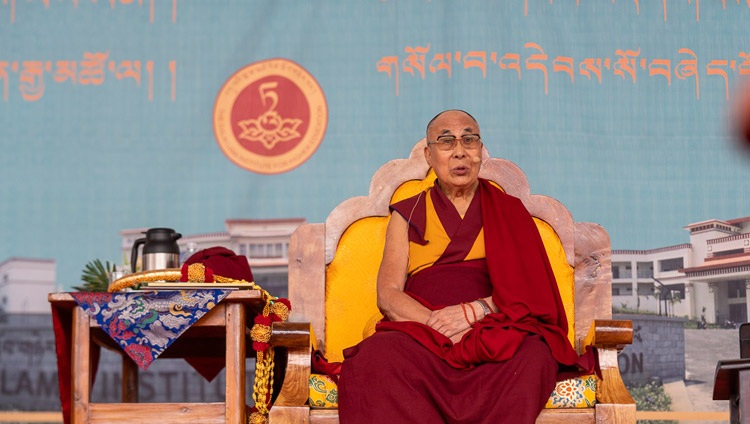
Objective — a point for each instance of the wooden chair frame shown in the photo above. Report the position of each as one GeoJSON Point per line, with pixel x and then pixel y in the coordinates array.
{"type": "Point", "coordinates": [587, 248]}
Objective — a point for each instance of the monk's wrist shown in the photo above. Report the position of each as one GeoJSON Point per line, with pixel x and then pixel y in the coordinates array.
{"type": "Point", "coordinates": [470, 306]}
{"type": "Point", "coordinates": [485, 306]}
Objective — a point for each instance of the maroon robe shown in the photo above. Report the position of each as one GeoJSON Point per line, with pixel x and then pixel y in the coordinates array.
{"type": "Point", "coordinates": [505, 368]}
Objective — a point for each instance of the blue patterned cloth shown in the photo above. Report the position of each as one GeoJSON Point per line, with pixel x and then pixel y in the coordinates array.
{"type": "Point", "coordinates": [144, 324]}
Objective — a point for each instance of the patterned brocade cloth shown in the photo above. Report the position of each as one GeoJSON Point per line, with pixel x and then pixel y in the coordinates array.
{"type": "Point", "coordinates": [144, 324]}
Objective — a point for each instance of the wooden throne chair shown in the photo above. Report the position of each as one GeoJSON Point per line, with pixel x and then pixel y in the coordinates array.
{"type": "Point", "coordinates": [332, 286]}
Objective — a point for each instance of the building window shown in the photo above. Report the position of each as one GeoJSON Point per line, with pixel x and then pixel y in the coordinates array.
{"type": "Point", "coordinates": [622, 289]}
{"type": "Point", "coordinates": [671, 264]}
{"type": "Point", "coordinates": [729, 252]}
{"type": "Point", "coordinates": [269, 250]}
{"type": "Point", "coordinates": [621, 270]}
{"type": "Point", "coordinates": [736, 289]}
{"type": "Point", "coordinates": [242, 249]}
{"type": "Point", "coordinates": [645, 269]}
{"type": "Point", "coordinates": [677, 291]}
{"type": "Point", "coordinates": [645, 289]}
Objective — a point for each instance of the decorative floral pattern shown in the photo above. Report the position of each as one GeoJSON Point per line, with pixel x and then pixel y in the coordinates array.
{"type": "Point", "coordinates": [323, 391]}
{"type": "Point", "coordinates": [574, 393]}
{"type": "Point", "coordinates": [144, 324]}
{"type": "Point", "coordinates": [270, 129]}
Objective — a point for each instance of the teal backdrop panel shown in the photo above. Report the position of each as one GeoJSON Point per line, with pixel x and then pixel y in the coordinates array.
{"type": "Point", "coordinates": [619, 109]}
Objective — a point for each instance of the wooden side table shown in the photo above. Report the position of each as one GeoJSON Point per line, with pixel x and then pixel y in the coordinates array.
{"type": "Point", "coordinates": [221, 332]}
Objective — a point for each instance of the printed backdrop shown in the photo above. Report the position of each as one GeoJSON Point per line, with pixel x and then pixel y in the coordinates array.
{"type": "Point", "coordinates": [114, 113]}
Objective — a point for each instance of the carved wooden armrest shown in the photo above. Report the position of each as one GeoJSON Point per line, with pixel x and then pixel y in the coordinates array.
{"type": "Point", "coordinates": [610, 334]}
{"type": "Point", "coordinates": [609, 337]}
{"type": "Point", "coordinates": [296, 338]}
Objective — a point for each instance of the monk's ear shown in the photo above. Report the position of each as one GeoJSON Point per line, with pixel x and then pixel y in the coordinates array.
{"type": "Point", "coordinates": [428, 156]}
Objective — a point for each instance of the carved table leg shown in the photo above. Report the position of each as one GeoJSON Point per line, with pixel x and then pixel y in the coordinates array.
{"type": "Point", "coordinates": [129, 380]}
{"type": "Point", "coordinates": [80, 367]}
{"type": "Point", "coordinates": [235, 359]}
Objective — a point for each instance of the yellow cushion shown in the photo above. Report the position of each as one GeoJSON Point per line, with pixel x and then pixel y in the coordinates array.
{"type": "Point", "coordinates": [564, 273]}
{"type": "Point", "coordinates": [572, 393]}
{"type": "Point", "coordinates": [351, 279]}
{"type": "Point", "coordinates": [324, 392]}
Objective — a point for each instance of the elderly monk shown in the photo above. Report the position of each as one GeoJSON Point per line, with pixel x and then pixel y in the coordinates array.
{"type": "Point", "coordinates": [474, 330]}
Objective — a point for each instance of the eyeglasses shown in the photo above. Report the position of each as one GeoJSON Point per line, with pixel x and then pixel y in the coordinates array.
{"type": "Point", "coordinates": [449, 142]}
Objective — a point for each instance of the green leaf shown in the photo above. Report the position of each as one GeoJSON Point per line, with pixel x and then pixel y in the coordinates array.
{"type": "Point", "coordinates": [95, 276]}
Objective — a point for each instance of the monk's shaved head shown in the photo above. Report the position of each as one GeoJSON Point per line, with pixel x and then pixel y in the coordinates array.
{"type": "Point", "coordinates": [429, 124]}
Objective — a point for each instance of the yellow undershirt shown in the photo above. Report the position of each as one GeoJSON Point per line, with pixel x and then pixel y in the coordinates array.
{"type": "Point", "coordinates": [421, 257]}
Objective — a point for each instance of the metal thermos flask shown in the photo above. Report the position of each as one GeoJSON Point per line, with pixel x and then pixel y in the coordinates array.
{"type": "Point", "coordinates": [160, 250]}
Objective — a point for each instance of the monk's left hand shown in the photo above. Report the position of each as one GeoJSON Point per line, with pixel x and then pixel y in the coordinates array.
{"type": "Point", "coordinates": [449, 321]}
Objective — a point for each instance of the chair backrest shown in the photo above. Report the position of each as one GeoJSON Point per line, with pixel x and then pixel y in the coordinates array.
{"type": "Point", "coordinates": [342, 307]}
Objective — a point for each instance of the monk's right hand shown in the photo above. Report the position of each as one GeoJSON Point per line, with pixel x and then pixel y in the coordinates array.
{"type": "Point", "coordinates": [448, 321]}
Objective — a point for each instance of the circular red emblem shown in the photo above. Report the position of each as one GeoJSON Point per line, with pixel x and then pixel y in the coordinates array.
{"type": "Point", "coordinates": [270, 116]}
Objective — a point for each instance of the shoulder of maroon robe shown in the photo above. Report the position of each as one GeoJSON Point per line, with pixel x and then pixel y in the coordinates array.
{"type": "Point", "coordinates": [414, 211]}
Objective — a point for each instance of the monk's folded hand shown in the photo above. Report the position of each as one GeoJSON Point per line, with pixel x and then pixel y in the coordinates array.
{"type": "Point", "coordinates": [449, 321]}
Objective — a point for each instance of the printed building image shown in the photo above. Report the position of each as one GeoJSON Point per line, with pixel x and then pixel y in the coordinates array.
{"type": "Point", "coordinates": [705, 279]}
{"type": "Point", "coordinates": [24, 284]}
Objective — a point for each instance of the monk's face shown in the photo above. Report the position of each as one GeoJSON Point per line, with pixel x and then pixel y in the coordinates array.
{"type": "Point", "coordinates": [457, 167]}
